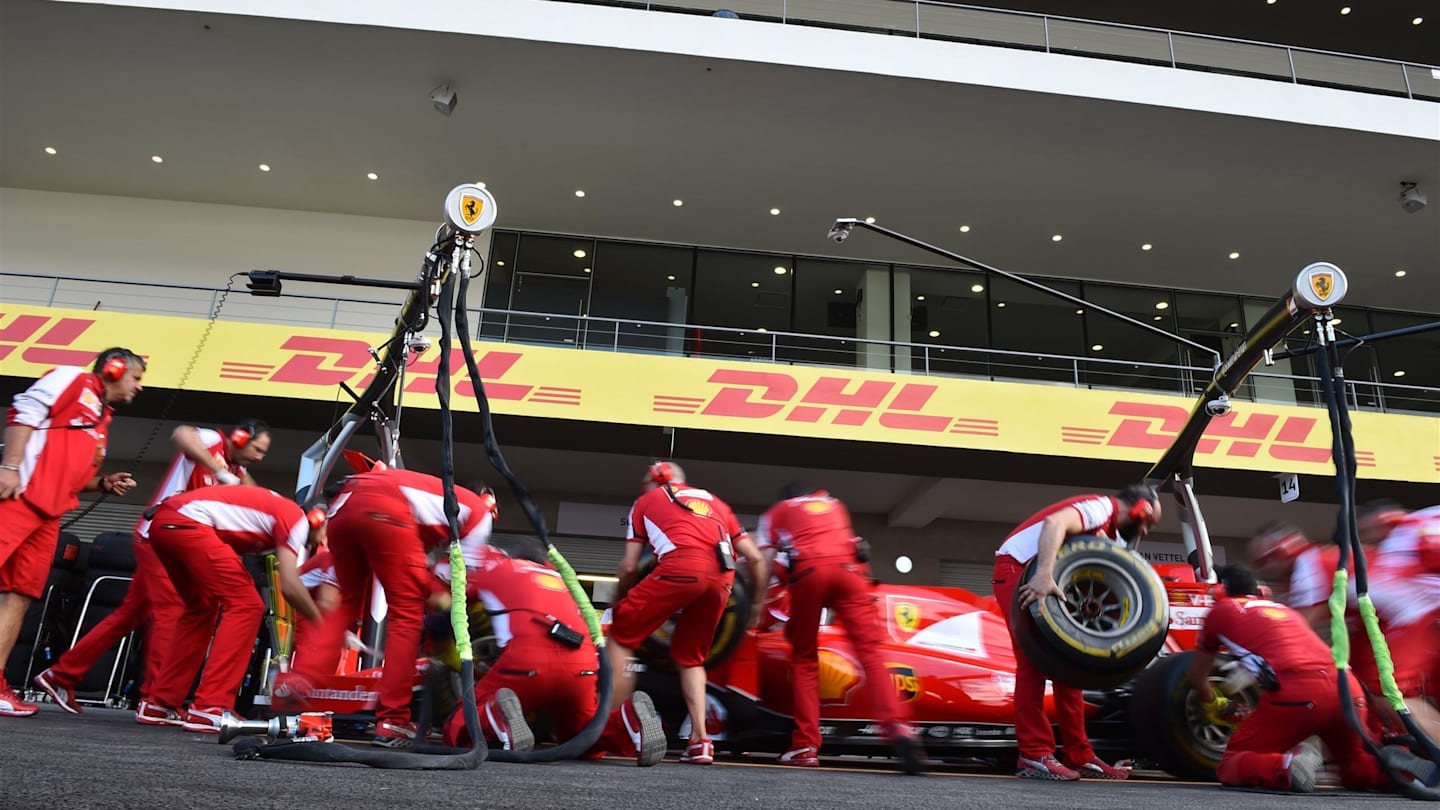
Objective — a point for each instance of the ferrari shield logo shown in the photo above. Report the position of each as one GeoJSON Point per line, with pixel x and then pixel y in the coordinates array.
{"type": "Point", "coordinates": [1323, 284]}
{"type": "Point", "coordinates": [907, 617]}
{"type": "Point", "coordinates": [470, 208]}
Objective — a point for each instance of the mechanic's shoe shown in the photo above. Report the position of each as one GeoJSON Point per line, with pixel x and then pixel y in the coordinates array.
{"type": "Point", "coordinates": [699, 753]}
{"type": "Point", "coordinates": [206, 720]}
{"type": "Point", "coordinates": [11, 705]}
{"type": "Point", "coordinates": [153, 714]}
{"type": "Point", "coordinates": [642, 723]}
{"type": "Point", "coordinates": [62, 695]}
{"type": "Point", "coordinates": [1098, 768]}
{"type": "Point", "coordinates": [1422, 772]}
{"type": "Point", "coordinates": [507, 719]}
{"type": "Point", "coordinates": [394, 735]}
{"type": "Point", "coordinates": [800, 757]}
{"type": "Point", "coordinates": [1305, 762]}
{"type": "Point", "coordinates": [1045, 768]}
{"type": "Point", "coordinates": [909, 753]}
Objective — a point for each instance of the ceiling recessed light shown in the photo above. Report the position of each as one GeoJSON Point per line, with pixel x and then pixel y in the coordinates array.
{"type": "Point", "coordinates": [1056, 238]}
{"type": "Point", "coordinates": [1162, 304]}
{"type": "Point", "coordinates": [480, 183]}
{"type": "Point", "coordinates": [1399, 274]}
{"type": "Point", "coordinates": [1235, 325]}
{"type": "Point", "coordinates": [839, 292]}
{"type": "Point", "coordinates": [1269, 2]}
{"type": "Point", "coordinates": [579, 254]}
{"type": "Point", "coordinates": [869, 220]}
{"type": "Point", "coordinates": [587, 269]}
{"type": "Point", "coordinates": [919, 298]}
{"type": "Point", "coordinates": [1159, 317]}
{"type": "Point", "coordinates": [1079, 312]}
{"type": "Point", "coordinates": [1345, 10]}
{"type": "Point", "coordinates": [779, 270]}
{"type": "Point", "coordinates": [1001, 305]}
{"type": "Point", "coordinates": [964, 229]}
{"type": "Point", "coordinates": [373, 176]}
{"type": "Point", "coordinates": [1417, 21]}
{"type": "Point", "coordinates": [754, 284]}
{"type": "Point", "coordinates": [1398, 374]}
{"type": "Point", "coordinates": [669, 278]}
{"type": "Point", "coordinates": [157, 159]}
{"type": "Point", "coordinates": [1234, 254]}
{"type": "Point", "coordinates": [761, 329]}
{"type": "Point", "coordinates": [49, 150]}
{"type": "Point", "coordinates": [934, 333]}
{"type": "Point", "coordinates": [1146, 246]}
{"type": "Point", "coordinates": [977, 288]}
{"type": "Point", "coordinates": [774, 212]}
{"type": "Point", "coordinates": [579, 192]}
{"type": "Point", "coordinates": [264, 167]}
{"type": "Point", "coordinates": [677, 203]}
{"type": "Point", "coordinates": [500, 263]}
{"type": "Point", "coordinates": [1097, 347]}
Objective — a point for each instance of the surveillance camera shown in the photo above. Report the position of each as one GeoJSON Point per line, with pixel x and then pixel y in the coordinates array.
{"type": "Point", "coordinates": [841, 230]}
{"type": "Point", "coordinates": [1218, 407]}
{"type": "Point", "coordinates": [444, 99]}
{"type": "Point", "coordinates": [1412, 199]}
{"type": "Point", "coordinates": [418, 344]}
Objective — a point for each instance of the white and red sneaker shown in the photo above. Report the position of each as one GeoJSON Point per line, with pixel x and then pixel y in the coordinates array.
{"type": "Point", "coordinates": [153, 714]}
{"type": "Point", "coordinates": [1098, 768]}
{"type": "Point", "coordinates": [394, 735]}
{"type": "Point", "coordinates": [506, 718]}
{"type": "Point", "coordinates": [63, 697]}
{"type": "Point", "coordinates": [700, 752]}
{"type": "Point", "coordinates": [642, 723]}
{"type": "Point", "coordinates": [806, 757]}
{"type": "Point", "coordinates": [11, 704]}
{"type": "Point", "coordinates": [207, 720]}
{"type": "Point", "coordinates": [1047, 767]}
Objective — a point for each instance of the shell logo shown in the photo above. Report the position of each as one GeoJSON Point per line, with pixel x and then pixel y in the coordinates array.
{"type": "Point", "coordinates": [838, 676]}
{"type": "Point", "coordinates": [817, 507]}
{"type": "Point", "coordinates": [699, 507]}
{"type": "Point", "coordinates": [549, 581]}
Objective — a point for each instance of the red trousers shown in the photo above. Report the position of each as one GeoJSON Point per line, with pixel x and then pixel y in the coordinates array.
{"type": "Point", "coordinates": [688, 581]}
{"type": "Point", "coordinates": [1035, 737]}
{"type": "Point", "coordinates": [836, 583]}
{"type": "Point", "coordinates": [27, 547]}
{"type": "Point", "coordinates": [1306, 704]}
{"type": "Point", "coordinates": [373, 536]}
{"type": "Point", "coordinates": [548, 677]}
{"type": "Point", "coordinates": [151, 600]}
{"type": "Point", "coordinates": [214, 585]}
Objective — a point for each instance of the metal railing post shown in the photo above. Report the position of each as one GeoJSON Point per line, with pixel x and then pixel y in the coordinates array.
{"type": "Point", "coordinates": [1290, 56]}
{"type": "Point", "coordinates": [1075, 367]}
{"type": "Point", "coordinates": [1046, 22]}
{"type": "Point", "coordinates": [335, 313]}
{"type": "Point", "coordinates": [1170, 39]}
{"type": "Point", "coordinates": [917, 19]}
{"type": "Point", "coordinates": [1405, 74]}
{"type": "Point", "coordinates": [55, 290]}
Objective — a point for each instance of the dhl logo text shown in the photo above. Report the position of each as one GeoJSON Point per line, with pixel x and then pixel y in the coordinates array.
{"type": "Point", "coordinates": [1150, 426]}
{"type": "Point", "coordinates": [46, 341]}
{"type": "Point", "coordinates": [746, 394]}
{"type": "Point", "coordinates": [325, 361]}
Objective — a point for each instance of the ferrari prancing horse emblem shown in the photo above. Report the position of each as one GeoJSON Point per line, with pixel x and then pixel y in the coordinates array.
{"type": "Point", "coordinates": [1323, 284]}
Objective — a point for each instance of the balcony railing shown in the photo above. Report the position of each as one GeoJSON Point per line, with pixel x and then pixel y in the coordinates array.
{"type": "Point", "coordinates": [977, 25]}
{"type": "Point", "coordinates": [692, 340]}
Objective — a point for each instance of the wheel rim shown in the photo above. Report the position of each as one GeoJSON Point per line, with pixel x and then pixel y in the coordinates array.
{"type": "Point", "coordinates": [1209, 739]}
{"type": "Point", "coordinates": [1101, 598]}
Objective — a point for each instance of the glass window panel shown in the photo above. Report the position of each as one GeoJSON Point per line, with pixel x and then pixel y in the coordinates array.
{"type": "Point", "coordinates": [641, 286]}
{"type": "Point", "coordinates": [1158, 358]}
{"type": "Point", "coordinates": [827, 300]}
{"type": "Point", "coordinates": [741, 291]}
{"type": "Point", "coordinates": [1038, 325]}
{"type": "Point", "coordinates": [947, 309]}
{"type": "Point", "coordinates": [555, 255]}
{"type": "Point", "coordinates": [499, 272]}
{"type": "Point", "coordinates": [1416, 355]}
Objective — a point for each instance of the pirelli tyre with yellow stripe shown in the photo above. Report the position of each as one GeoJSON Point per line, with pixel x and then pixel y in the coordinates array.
{"type": "Point", "coordinates": [1111, 623]}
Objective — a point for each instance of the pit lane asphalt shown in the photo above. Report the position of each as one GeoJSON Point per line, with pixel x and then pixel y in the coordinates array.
{"type": "Point", "coordinates": [103, 759]}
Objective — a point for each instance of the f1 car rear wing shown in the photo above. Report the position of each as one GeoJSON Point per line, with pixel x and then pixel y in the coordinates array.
{"type": "Point", "coordinates": [1317, 288]}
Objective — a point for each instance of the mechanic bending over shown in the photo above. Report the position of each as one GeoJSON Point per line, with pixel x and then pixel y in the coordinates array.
{"type": "Point", "coordinates": [55, 439]}
{"type": "Point", "coordinates": [547, 661]}
{"type": "Point", "coordinates": [1295, 670]}
{"type": "Point", "coordinates": [206, 458]}
{"type": "Point", "coordinates": [695, 537]}
{"type": "Point", "coordinates": [1128, 515]}
{"type": "Point", "coordinates": [1405, 587]}
{"type": "Point", "coordinates": [827, 566]}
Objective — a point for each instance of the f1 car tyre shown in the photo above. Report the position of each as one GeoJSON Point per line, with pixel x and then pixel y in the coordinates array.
{"type": "Point", "coordinates": [1111, 623]}
{"type": "Point", "coordinates": [1170, 724]}
{"type": "Point", "coordinates": [655, 652]}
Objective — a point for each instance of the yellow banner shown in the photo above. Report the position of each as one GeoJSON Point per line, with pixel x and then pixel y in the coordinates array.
{"type": "Point", "coordinates": [309, 363]}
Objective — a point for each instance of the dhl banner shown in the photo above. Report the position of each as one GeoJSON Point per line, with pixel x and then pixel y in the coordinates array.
{"type": "Point", "coordinates": [309, 363]}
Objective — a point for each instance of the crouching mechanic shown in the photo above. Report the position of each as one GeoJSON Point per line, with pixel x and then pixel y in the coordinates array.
{"type": "Point", "coordinates": [547, 663]}
{"type": "Point", "coordinates": [55, 439]}
{"type": "Point", "coordinates": [1405, 586]}
{"type": "Point", "coordinates": [1300, 698]}
{"type": "Point", "coordinates": [207, 457]}
{"type": "Point", "coordinates": [1128, 515]}
{"type": "Point", "coordinates": [381, 524]}
{"type": "Point", "coordinates": [199, 537]}
{"type": "Point", "coordinates": [694, 536]}
{"type": "Point", "coordinates": [826, 570]}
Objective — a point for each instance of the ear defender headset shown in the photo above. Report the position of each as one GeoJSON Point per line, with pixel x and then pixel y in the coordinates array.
{"type": "Point", "coordinates": [113, 365]}
{"type": "Point", "coordinates": [1143, 510]}
{"type": "Point", "coordinates": [489, 504]}
{"type": "Point", "coordinates": [661, 473]}
{"type": "Point", "coordinates": [244, 432]}
{"type": "Point", "coordinates": [315, 517]}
